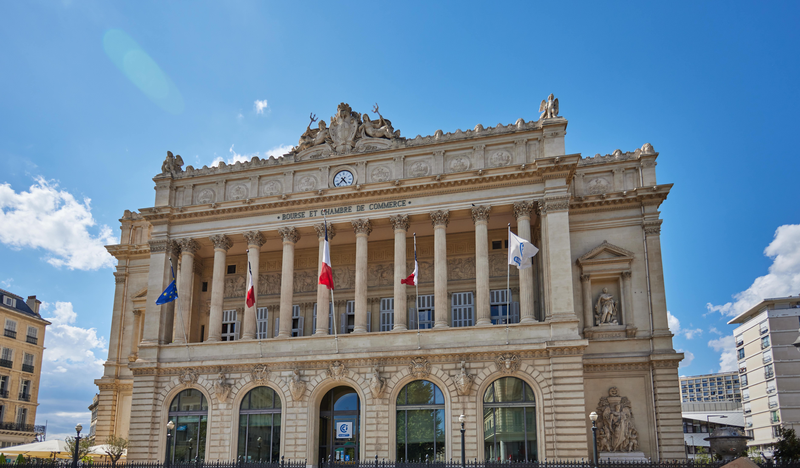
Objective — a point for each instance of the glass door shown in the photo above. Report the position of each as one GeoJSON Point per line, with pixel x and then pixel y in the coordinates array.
{"type": "Point", "coordinates": [339, 426]}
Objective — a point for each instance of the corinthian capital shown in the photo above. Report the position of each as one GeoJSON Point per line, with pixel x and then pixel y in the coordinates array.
{"type": "Point", "coordinates": [361, 226]}
{"type": "Point", "coordinates": [320, 228]}
{"type": "Point", "coordinates": [221, 241]}
{"type": "Point", "coordinates": [549, 205]}
{"type": "Point", "coordinates": [522, 209]}
{"type": "Point", "coordinates": [399, 222]}
{"type": "Point", "coordinates": [254, 238]}
{"type": "Point", "coordinates": [480, 213]}
{"type": "Point", "coordinates": [289, 234]}
{"type": "Point", "coordinates": [440, 218]}
{"type": "Point", "coordinates": [188, 246]}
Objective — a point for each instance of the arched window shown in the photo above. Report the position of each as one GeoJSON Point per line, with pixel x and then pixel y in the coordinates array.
{"type": "Point", "coordinates": [189, 412]}
{"type": "Point", "coordinates": [420, 422]}
{"type": "Point", "coordinates": [260, 425]}
{"type": "Point", "coordinates": [509, 421]}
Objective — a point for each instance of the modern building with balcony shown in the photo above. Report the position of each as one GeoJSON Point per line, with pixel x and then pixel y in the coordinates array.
{"type": "Point", "coordinates": [769, 367]}
{"type": "Point", "coordinates": [711, 388]}
{"type": "Point", "coordinates": [21, 348]}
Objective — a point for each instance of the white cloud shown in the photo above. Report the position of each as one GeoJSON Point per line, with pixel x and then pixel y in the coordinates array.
{"type": "Point", "coordinates": [690, 334]}
{"type": "Point", "coordinates": [47, 218]}
{"type": "Point", "coordinates": [235, 157]}
{"type": "Point", "coordinates": [783, 278]}
{"type": "Point", "coordinates": [715, 331]}
{"type": "Point", "coordinates": [260, 106]}
{"type": "Point", "coordinates": [6, 284]}
{"type": "Point", "coordinates": [278, 151]}
{"type": "Point", "coordinates": [727, 349]}
{"type": "Point", "coordinates": [675, 327]}
{"type": "Point", "coordinates": [688, 357]}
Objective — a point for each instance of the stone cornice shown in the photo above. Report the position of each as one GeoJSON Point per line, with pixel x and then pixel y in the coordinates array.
{"type": "Point", "coordinates": [617, 200]}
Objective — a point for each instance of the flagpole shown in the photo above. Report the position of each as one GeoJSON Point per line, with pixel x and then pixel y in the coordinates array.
{"type": "Point", "coordinates": [508, 286]}
{"type": "Point", "coordinates": [416, 288]}
{"type": "Point", "coordinates": [333, 309]}
{"type": "Point", "coordinates": [255, 293]}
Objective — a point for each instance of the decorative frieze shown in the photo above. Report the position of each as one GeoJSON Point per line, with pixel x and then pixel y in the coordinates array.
{"type": "Point", "coordinates": [652, 227]}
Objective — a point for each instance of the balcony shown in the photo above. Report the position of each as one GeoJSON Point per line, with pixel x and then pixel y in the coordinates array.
{"type": "Point", "coordinates": [27, 368]}
{"type": "Point", "coordinates": [769, 375]}
{"type": "Point", "coordinates": [10, 333]}
{"type": "Point", "coordinates": [6, 363]}
{"type": "Point", "coordinates": [773, 404]}
{"type": "Point", "coordinates": [25, 396]}
{"type": "Point", "coordinates": [9, 426]}
{"type": "Point", "coordinates": [32, 339]}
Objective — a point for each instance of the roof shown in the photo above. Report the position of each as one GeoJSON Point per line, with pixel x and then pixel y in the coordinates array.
{"type": "Point", "coordinates": [732, 418]}
{"type": "Point", "coordinates": [20, 305]}
{"type": "Point", "coordinates": [758, 308]}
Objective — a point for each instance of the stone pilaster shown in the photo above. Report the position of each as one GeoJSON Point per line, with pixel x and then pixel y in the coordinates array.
{"type": "Point", "coordinates": [440, 220]}
{"type": "Point", "coordinates": [137, 325]}
{"type": "Point", "coordinates": [362, 228]}
{"type": "Point", "coordinates": [221, 245]}
{"type": "Point", "coordinates": [658, 298]}
{"type": "Point", "coordinates": [156, 282]}
{"type": "Point", "coordinates": [569, 407]}
{"type": "Point", "coordinates": [480, 216]}
{"type": "Point", "coordinates": [586, 289]}
{"type": "Point", "coordinates": [254, 242]}
{"type": "Point", "coordinates": [120, 279]}
{"type": "Point", "coordinates": [558, 258]}
{"type": "Point", "coordinates": [181, 326]}
{"type": "Point", "coordinates": [323, 293]}
{"type": "Point", "coordinates": [522, 211]}
{"type": "Point", "coordinates": [400, 226]}
{"type": "Point", "coordinates": [669, 429]}
{"type": "Point", "coordinates": [290, 237]}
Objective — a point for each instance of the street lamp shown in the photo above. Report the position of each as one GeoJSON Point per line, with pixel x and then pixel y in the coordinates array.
{"type": "Point", "coordinates": [170, 427]}
{"type": "Point", "coordinates": [708, 419]}
{"type": "Point", "coordinates": [593, 417]}
{"type": "Point", "coordinates": [462, 419]}
{"type": "Point", "coordinates": [78, 429]}
{"type": "Point", "coordinates": [259, 449]}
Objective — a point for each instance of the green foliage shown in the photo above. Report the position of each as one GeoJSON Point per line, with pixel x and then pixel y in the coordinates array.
{"type": "Point", "coordinates": [83, 449]}
{"type": "Point", "coordinates": [3, 459]}
{"type": "Point", "coordinates": [20, 459]}
{"type": "Point", "coordinates": [115, 446]}
{"type": "Point", "coordinates": [788, 446]}
{"type": "Point", "coordinates": [702, 458]}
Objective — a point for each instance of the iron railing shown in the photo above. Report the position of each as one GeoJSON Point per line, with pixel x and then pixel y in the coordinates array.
{"type": "Point", "coordinates": [10, 333]}
{"type": "Point", "coordinates": [6, 363]}
{"type": "Point", "coordinates": [32, 339]}
{"type": "Point", "coordinates": [10, 426]}
{"type": "Point", "coordinates": [27, 368]}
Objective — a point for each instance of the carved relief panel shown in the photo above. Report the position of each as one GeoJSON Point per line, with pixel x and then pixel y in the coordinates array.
{"type": "Point", "coordinates": [458, 162]}
{"type": "Point", "coordinates": [237, 189]}
{"type": "Point", "coordinates": [419, 166]}
{"type": "Point", "coordinates": [204, 194]}
{"type": "Point", "coordinates": [270, 187]}
{"type": "Point", "coordinates": [305, 182]}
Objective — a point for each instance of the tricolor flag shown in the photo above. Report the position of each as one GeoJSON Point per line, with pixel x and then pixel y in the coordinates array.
{"type": "Point", "coordinates": [412, 278]}
{"type": "Point", "coordinates": [251, 291]}
{"type": "Point", "coordinates": [520, 251]}
{"type": "Point", "coordinates": [326, 273]}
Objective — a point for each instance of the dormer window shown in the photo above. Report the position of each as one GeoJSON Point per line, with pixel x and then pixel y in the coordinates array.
{"type": "Point", "coordinates": [9, 301]}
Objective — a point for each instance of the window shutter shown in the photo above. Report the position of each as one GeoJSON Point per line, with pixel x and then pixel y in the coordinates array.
{"type": "Point", "coordinates": [343, 323]}
{"type": "Point", "coordinates": [11, 325]}
{"type": "Point", "coordinates": [314, 320]}
{"type": "Point", "coordinates": [33, 332]}
{"type": "Point", "coordinates": [412, 315]}
{"type": "Point", "coordinates": [276, 329]}
{"type": "Point", "coordinates": [514, 312]}
{"type": "Point", "coordinates": [237, 330]}
{"type": "Point", "coordinates": [369, 321]}
{"type": "Point", "coordinates": [262, 320]}
{"type": "Point", "coordinates": [300, 326]}
{"type": "Point", "coordinates": [387, 314]}
{"type": "Point", "coordinates": [462, 309]}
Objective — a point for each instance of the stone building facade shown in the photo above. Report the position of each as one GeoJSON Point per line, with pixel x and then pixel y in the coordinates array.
{"type": "Point", "coordinates": [389, 370]}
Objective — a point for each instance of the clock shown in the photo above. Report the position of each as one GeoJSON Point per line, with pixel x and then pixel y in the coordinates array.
{"type": "Point", "coordinates": [343, 179]}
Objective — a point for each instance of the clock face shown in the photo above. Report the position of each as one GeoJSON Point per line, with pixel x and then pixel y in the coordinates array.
{"type": "Point", "coordinates": [343, 179]}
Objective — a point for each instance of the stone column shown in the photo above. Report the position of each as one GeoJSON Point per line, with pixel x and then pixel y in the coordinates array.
{"type": "Point", "coordinates": [400, 226]}
{"type": "Point", "coordinates": [254, 242]}
{"type": "Point", "coordinates": [120, 278]}
{"type": "Point", "coordinates": [323, 293]}
{"type": "Point", "coordinates": [522, 211]}
{"type": "Point", "coordinates": [168, 315]}
{"type": "Point", "coordinates": [627, 295]}
{"type": "Point", "coordinates": [441, 304]}
{"type": "Point", "coordinates": [586, 286]}
{"type": "Point", "coordinates": [480, 216]}
{"type": "Point", "coordinates": [290, 237]}
{"type": "Point", "coordinates": [221, 245]}
{"type": "Point", "coordinates": [362, 228]}
{"type": "Point", "coordinates": [156, 282]}
{"type": "Point", "coordinates": [180, 333]}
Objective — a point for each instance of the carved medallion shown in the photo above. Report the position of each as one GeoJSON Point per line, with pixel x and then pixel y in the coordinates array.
{"type": "Point", "coordinates": [419, 367]}
{"type": "Point", "coordinates": [296, 386]}
{"type": "Point", "coordinates": [459, 164]}
{"type": "Point", "coordinates": [343, 128]}
{"type": "Point", "coordinates": [271, 187]}
{"type": "Point", "coordinates": [260, 374]}
{"type": "Point", "coordinates": [188, 377]}
{"type": "Point", "coordinates": [337, 370]}
{"type": "Point", "coordinates": [206, 196]}
{"type": "Point", "coordinates": [239, 192]}
{"type": "Point", "coordinates": [419, 169]}
{"type": "Point", "coordinates": [507, 363]}
{"type": "Point", "coordinates": [598, 186]}
{"type": "Point", "coordinates": [381, 174]}
{"type": "Point", "coordinates": [306, 183]}
{"type": "Point", "coordinates": [463, 380]}
{"type": "Point", "coordinates": [500, 158]}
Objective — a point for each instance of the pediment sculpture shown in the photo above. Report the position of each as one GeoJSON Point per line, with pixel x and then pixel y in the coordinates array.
{"type": "Point", "coordinates": [463, 380]}
{"type": "Point", "coordinates": [222, 389]}
{"type": "Point", "coordinates": [605, 310]}
{"type": "Point", "coordinates": [337, 370]}
{"type": "Point", "coordinates": [348, 129]}
{"type": "Point", "coordinates": [616, 428]}
{"type": "Point", "coordinates": [296, 386]}
{"type": "Point", "coordinates": [376, 384]}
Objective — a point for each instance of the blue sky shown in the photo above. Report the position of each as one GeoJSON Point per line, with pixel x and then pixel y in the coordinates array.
{"type": "Point", "coordinates": [95, 93]}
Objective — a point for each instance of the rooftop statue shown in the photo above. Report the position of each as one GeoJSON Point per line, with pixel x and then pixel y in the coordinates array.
{"type": "Point", "coordinates": [172, 164]}
{"type": "Point", "coordinates": [549, 108]}
{"type": "Point", "coordinates": [346, 129]}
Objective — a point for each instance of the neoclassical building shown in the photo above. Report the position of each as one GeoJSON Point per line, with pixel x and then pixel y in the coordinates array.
{"type": "Point", "coordinates": [377, 367]}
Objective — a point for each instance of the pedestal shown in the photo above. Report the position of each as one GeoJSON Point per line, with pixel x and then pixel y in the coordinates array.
{"type": "Point", "coordinates": [623, 456]}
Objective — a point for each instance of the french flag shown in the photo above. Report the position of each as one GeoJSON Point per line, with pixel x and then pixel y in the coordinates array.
{"type": "Point", "coordinates": [412, 278]}
{"type": "Point", "coordinates": [251, 291]}
{"type": "Point", "coordinates": [326, 273]}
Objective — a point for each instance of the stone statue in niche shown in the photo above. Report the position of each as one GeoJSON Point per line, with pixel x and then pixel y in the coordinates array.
{"type": "Point", "coordinates": [222, 388]}
{"type": "Point", "coordinates": [605, 309]}
{"type": "Point", "coordinates": [549, 107]}
{"type": "Point", "coordinates": [172, 164]}
{"type": "Point", "coordinates": [617, 431]}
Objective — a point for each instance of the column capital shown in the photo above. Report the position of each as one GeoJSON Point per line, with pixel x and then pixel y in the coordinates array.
{"type": "Point", "coordinates": [289, 234]}
{"type": "Point", "coordinates": [440, 218]}
{"type": "Point", "coordinates": [188, 246]}
{"type": "Point", "coordinates": [119, 277]}
{"type": "Point", "coordinates": [626, 275]}
{"type": "Point", "coordinates": [480, 213]}
{"type": "Point", "coordinates": [399, 222]}
{"type": "Point", "coordinates": [221, 241]}
{"type": "Point", "coordinates": [560, 203]}
{"type": "Point", "coordinates": [652, 228]}
{"type": "Point", "coordinates": [137, 312]}
{"type": "Point", "coordinates": [254, 238]}
{"type": "Point", "coordinates": [585, 278]}
{"type": "Point", "coordinates": [173, 248]}
{"type": "Point", "coordinates": [320, 228]}
{"type": "Point", "coordinates": [523, 209]}
{"type": "Point", "coordinates": [362, 226]}
{"type": "Point", "coordinates": [158, 245]}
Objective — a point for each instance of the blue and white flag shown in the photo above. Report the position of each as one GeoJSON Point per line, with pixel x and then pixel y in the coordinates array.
{"type": "Point", "coordinates": [171, 293]}
{"type": "Point", "coordinates": [520, 251]}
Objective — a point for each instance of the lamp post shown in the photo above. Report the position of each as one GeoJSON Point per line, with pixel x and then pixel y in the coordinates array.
{"type": "Point", "coordinates": [462, 419]}
{"type": "Point", "coordinates": [259, 449]}
{"type": "Point", "coordinates": [77, 446]}
{"type": "Point", "coordinates": [708, 420]}
{"type": "Point", "coordinates": [593, 417]}
{"type": "Point", "coordinates": [168, 458]}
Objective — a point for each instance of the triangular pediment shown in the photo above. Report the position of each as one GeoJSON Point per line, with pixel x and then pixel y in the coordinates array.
{"type": "Point", "coordinates": [605, 253]}
{"type": "Point", "coordinates": [141, 294]}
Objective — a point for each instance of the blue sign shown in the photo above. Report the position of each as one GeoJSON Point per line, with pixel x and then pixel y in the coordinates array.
{"type": "Point", "coordinates": [344, 430]}
{"type": "Point", "coordinates": [182, 428]}
{"type": "Point", "coordinates": [347, 458]}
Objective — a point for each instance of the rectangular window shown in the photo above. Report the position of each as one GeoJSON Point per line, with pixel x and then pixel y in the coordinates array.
{"type": "Point", "coordinates": [771, 386]}
{"type": "Point", "coordinates": [7, 358]}
{"type": "Point", "coordinates": [766, 356]}
{"type": "Point", "coordinates": [763, 328]}
{"type": "Point", "coordinates": [33, 335]}
{"type": "Point", "coordinates": [297, 321]}
{"type": "Point", "coordinates": [749, 433]}
{"type": "Point", "coordinates": [27, 362]}
{"type": "Point", "coordinates": [740, 353]}
{"type": "Point", "coordinates": [330, 319]}
{"type": "Point", "coordinates": [746, 408]}
{"type": "Point", "coordinates": [776, 431]}
{"type": "Point", "coordinates": [498, 304]}
{"type": "Point", "coordinates": [769, 372]}
{"type": "Point", "coordinates": [4, 383]}
{"type": "Point", "coordinates": [11, 329]}
{"type": "Point", "coordinates": [387, 313]}
{"type": "Point", "coordinates": [462, 308]}
{"type": "Point", "coordinates": [748, 422]}
{"type": "Point", "coordinates": [205, 286]}
{"type": "Point", "coordinates": [742, 367]}
{"type": "Point", "coordinates": [262, 323]}
{"type": "Point", "coordinates": [230, 325]}
{"type": "Point", "coordinates": [774, 417]}
{"type": "Point", "coordinates": [425, 312]}
{"type": "Point", "coordinates": [744, 380]}
{"type": "Point", "coordinates": [347, 320]}
{"type": "Point", "coordinates": [765, 342]}
{"type": "Point", "coordinates": [745, 394]}
{"type": "Point", "coordinates": [231, 269]}
{"type": "Point", "coordinates": [22, 416]}
{"type": "Point", "coordinates": [25, 390]}
{"type": "Point", "coordinates": [739, 340]}
{"type": "Point", "coordinates": [773, 401]}
{"type": "Point", "coordinates": [9, 301]}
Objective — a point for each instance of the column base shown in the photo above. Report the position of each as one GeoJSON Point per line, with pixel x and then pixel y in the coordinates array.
{"type": "Point", "coordinates": [440, 325]}
{"type": "Point", "coordinates": [248, 337]}
{"type": "Point", "coordinates": [358, 331]}
{"type": "Point", "coordinates": [528, 320]}
{"type": "Point", "coordinates": [400, 328]}
{"type": "Point", "coordinates": [213, 339]}
{"type": "Point", "coordinates": [321, 333]}
{"type": "Point", "coordinates": [483, 322]}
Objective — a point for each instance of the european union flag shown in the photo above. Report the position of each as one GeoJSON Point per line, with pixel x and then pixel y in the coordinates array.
{"type": "Point", "coordinates": [169, 294]}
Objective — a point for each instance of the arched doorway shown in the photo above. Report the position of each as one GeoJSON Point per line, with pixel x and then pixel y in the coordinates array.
{"type": "Point", "coordinates": [509, 421]}
{"type": "Point", "coordinates": [339, 425]}
{"type": "Point", "coordinates": [189, 412]}
{"type": "Point", "coordinates": [260, 426]}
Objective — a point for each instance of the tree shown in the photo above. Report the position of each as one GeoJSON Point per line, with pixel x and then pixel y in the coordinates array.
{"type": "Point", "coordinates": [83, 448]}
{"type": "Point", "coordinates": [788, 446]}
{"type": "Point", "coordinates": [114, 448]}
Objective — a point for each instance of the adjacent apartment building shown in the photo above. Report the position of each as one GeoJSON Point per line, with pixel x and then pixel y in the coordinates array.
{"type": "Point", "coordinates": [22, 345]}
{"type": "Point", "coordinates": [769, 367]}
{"type": "Point", "coordinates": [711, 388]}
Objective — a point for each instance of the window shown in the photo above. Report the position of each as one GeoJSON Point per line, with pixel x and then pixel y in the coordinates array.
{"type": "Point", "coordinates": [765, 342]}
{"type": "Point", "coordinates": [739, 340]}
{"type": "Point", "coordinates": [748, 421]}
{"type": "Point", "coordinates": [3, 388]}
{"type": "Point", "coordinates": [742, 367]}
{"type": "Point", "coordinates": [260, 426]}
{"type": "Point", "coordinates": [462, 306]}
{"type": "Point", "coordinates": [25, 390]}
{"type": "Point", "coordinates": [9, 301]}
{"type": "Point", "coordinates": [745, 394]}
{"type": "Point", "coordinates": [22, 416]}
{"type": "Point", "coordinates": [499, 244]}
{"type": "Point", "coordinates": [27, 362]}
{"type": "Point", "coordinates": [189, 412]}
{"type": "Point", "coordinates": [773, 401]}
{"type": "Point", "coordinates": [33, 334]}
{"type": "Point", "coordinates": [387, 313]}
{"type": "Point", "coordinates": [769, 372]}
{"type": "Point", "coordinates": [330, 319]}
{"type": "Point", "coordinates": [776, 431]}
{"type": "Point", "coordinates": [231, 269]}
{"type": "Point", "coordinates": [771, 386]}
{"type": "Point", "coordinates": [11, 329]}
{"type": "Point", "coordinates": [7, 358]}
{"type": "Point", "coordinates": [230, 325]}
{"type": "Point", "coordinates": [347, 320]}
{"type": "Point", "coordinates": [205, 286]}
{"type": "Point", "coordinates": [749, 433]}
{"type": "Point", "coordinates": [425, 313]}
{"type": "Point", "coordinates": [297, 321]}
{"type": "Point", "coordinates": [774, 417]}
{"type": "Point", "coordinates": [420, 422]}
{"type": "Point", "coordinates": [766, 356]}
{"type": "Point", "coordinates": [763, 327]}
{"type": "Point", "coordinates": [262, 322]}
{"type": "Point", "coordinates": [746, 408]}
{"type": "Point", "coordinates": [509, 421]}
{"type": "Point", "coordinates": [740, 353]}
{"type": "Point", "coordinates": [744, 380]}
{"type": "Point", "coordinates": [498, 300]}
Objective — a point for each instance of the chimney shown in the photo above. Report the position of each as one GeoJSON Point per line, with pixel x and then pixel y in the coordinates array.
{"type": "Point", "coordinates": [33, 303]}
